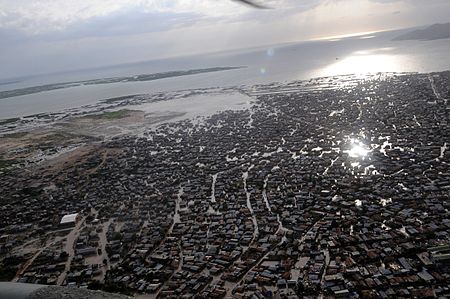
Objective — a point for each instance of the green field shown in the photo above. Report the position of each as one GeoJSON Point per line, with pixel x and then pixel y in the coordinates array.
{"type": "Point", "coordinates": [15, 135]}
{"type": "Point", "coordinates": [111, 115]}
{"type": "Point", "coordinates": [8, 121]}
{"type": "Point", "coordinates": [5, 163]}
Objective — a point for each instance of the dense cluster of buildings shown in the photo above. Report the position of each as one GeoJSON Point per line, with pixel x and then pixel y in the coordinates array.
{"type": "Point", "coordinates": [337, 187]}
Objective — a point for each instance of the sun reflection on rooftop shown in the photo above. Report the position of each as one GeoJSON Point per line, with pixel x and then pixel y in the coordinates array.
{"type": "Point", "coordinates": [357, 149]}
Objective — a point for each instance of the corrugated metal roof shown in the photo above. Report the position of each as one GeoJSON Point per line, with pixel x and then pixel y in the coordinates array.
{"type": "Point", "coordinates": [69, 218]}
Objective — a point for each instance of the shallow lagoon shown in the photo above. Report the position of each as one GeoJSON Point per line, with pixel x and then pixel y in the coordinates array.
{"type": "Point", "coordinates": [356, 55]}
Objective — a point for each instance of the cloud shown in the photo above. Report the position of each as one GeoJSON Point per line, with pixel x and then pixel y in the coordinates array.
{"type": "Point", "coordinates": [415, 2]}
{"type": "Point", "coordinates": [35, 17]}
{"type": "Point", "coordinates": [27, 21]}
{"type": "Point", "coordinates": [40, 17]}
{"type": "Point", "coordinates": [51, 35]}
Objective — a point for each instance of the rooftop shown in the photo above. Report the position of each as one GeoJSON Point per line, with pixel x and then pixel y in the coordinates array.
{"type": "Point", "coordinates": [69, 218]}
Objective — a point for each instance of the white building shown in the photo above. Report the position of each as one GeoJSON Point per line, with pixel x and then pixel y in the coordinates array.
{"type": "Point", "coordinates": [69, 220]}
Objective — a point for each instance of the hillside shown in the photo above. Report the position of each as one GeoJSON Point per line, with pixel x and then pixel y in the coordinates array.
{"type": "Point", "coordinates": [433, 32]}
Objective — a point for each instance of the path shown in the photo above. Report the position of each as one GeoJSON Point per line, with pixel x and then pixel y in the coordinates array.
{"type": "Point", "coordinates": [249, 206]}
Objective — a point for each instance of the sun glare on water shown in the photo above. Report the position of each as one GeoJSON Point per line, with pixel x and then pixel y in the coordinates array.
{"type": "Point", "coordinates": [368, 61]}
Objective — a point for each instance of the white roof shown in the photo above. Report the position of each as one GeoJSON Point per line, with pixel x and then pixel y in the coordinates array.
{"type": "Point", "coordinates": [69, 218]}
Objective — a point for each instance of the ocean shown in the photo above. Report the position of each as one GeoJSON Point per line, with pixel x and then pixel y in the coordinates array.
{"type": "Point", "coordinates": [364, 54]}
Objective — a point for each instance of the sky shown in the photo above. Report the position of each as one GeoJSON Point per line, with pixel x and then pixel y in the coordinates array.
{"type": "Point", "coordinates": [45, 36]}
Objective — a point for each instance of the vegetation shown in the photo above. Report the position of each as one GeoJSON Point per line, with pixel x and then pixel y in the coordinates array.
{"type": "Point", "coordinates": [9, 267]}
{"type": "Point", "coordinates": [8, 120]}
{"type": "Point", "coordinates": [110, 287]}
{"type": "Point", "coordinates": [144, 77]}
{"type": "Point", "coordinates": [117, 236]}
{"type": "Point", "coordinates": [7, 273]}
{"type": "Point", "coordinates": [6, 163]}
{"type": "Point", "coordinates": [118, 99]}
{"type": "Point", "coordinates": [112, 114]}
{"type": "Point", "coordinates": [15, 135]}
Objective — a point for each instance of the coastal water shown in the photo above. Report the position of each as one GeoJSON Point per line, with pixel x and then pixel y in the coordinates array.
{"type": "Point", "coordinates": [296, 61]}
